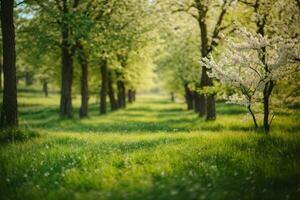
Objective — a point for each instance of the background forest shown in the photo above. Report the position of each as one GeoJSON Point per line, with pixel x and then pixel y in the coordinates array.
{"type": "Point", "coordinates": [150, 99]}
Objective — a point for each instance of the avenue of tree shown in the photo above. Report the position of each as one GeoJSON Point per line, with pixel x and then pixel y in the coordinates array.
{"type": "Point", "coordinates": [244, 51]}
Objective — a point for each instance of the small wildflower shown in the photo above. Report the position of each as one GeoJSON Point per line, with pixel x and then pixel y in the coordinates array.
{"type": "Point", "coordinates": [46, 174]}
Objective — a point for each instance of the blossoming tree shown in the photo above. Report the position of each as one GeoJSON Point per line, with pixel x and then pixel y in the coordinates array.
{"type": "Point", "coordinates": [252, 65]}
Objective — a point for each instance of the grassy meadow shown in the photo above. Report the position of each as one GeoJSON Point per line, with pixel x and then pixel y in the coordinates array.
{"type": "Point", "coordinates": [154, 149]}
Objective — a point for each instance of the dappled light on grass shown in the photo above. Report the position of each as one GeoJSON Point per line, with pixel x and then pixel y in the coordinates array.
{"type": "Point", "coordinates": [148, 115]}
{"type": "Point", "coordinates": [152, 150]}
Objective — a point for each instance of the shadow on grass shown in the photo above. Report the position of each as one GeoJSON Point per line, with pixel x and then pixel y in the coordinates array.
{"type": "Point", "coordinates": [150, 115]}
{"type": "Point", "coordinates": [230, 109]}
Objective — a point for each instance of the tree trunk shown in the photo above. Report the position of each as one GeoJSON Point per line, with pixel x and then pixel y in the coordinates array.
{"type": "Point", "coordinates": [111, 94]}
{"type": "Point", "coordinates": [121, 94]}
{"type": "Point", "coordinates": [9, 112]}
{"type": "Point", "coordinates": [266, 100]}
{"type": "Point", "coordinates": [210, 101]}
{"type": "Point", "coordinates": [104, 86]}
{"type": "Point", "coordinates": [28, 78]}
{"type": "Point", "coordinates": [172, 97]}
{"type": "Point", "coordinates": [45, 87]}
{"type": "Point", "coordinates": [202, 98]}
{"type": "Point", "coordinates": [197, 102]}
{"type": "Point", "coordinates": [124, 94]}
{"type": "Point", "coordinates": [211, 107]}
{"type": "Point", "coordinates": [84, 82]}
{"type": "Point", "coordinates": [253, 117]}
{"type": "Point", "coordinates": [207, 105]}
{"type": "Point", "coordinates": [66, 108]}
{"type": "Point", "coordinates": [130, 96]}
{"type": "Point", "coordinates": [189, 97]}
{"type": "Point", "coordinates": [201, 105]}
{"type": "Point", "coordinates": [134, 95]}
{"type": "Point", "coordinates": [1, 67]}
{"type": "Point", "coordinates": [268, 87]}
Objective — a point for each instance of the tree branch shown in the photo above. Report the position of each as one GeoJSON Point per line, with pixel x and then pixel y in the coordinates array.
{"type": "Point", "coordinates": [218, 27]}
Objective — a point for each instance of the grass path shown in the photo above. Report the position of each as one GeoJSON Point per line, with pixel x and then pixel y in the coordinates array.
{"type": "Point", "coordinates": [152, 150]}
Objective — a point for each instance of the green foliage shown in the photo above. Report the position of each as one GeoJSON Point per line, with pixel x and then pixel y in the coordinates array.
{"type": "Point", "coordinates": [177, 56]}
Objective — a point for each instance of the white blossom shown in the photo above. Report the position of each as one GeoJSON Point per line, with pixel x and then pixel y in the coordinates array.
{"type": "Point", "coordinates": [241, 67]}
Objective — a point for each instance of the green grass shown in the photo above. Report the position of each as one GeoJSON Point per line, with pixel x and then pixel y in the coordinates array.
{"type": "Point", "coordinates": [152, 150]}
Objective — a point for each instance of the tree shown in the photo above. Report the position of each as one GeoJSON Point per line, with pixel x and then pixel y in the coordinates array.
{"type": "Point", "coordinates": [104, 85]}
{"type": "Point", "coordinates": [9, 112]}
{"type": "Point", "coordinates": [82, 57]}
{"type": "Point", "coordinates": [178, 59]}
{"type": "Point", "coordinates": [111, 92]}
{"type": "Point", "coordinates": [269, 21]}
{"type": "Point", "coordinates": [254, 79]}
{"type": "Point", "coordinates": [71, 23]}
{"type": "Point", "coordinates": [210, 38]}
{"type": "Point", "coordinates": [118, 32]}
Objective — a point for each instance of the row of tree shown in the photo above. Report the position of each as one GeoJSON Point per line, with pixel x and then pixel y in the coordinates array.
{"type": "Point", "coordinates": [241, 50]}
{"type": "Point", "coordinates": [101, 44]}
{"type": "Point", "coordinates": [249, 50]}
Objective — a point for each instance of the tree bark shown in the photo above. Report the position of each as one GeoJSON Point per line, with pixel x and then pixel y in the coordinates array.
{"type": "Point", "coordinates": [197, 102]}
{"type": "Point", "coordinates": [124, 94]}
{"type": "Point", "coordinates": [130, 96]}
{"type": "Point", "coordinates": [111, 93]}
{"type": "Point", "coordinates": [210, 104]}
{"type": "Point", "coordinates": [253, 117]}
{"type": "Point", "coordinates": [266, 100]}
{"type": "Point", "coordinates": [45, 87]}
{"type": "Point", "coordinates": [206, 105]}
{"type": "Point", "coordinates": [104, 86]}
{"type": "Point", "coordinates": [189, 97]}
{"type": "Point", "coordinates": [121, 94]}
{"type": "Point", "coordinates": [269, 85]}
{"type": "Point", "coordinates": [9, 112]}
{"type": "Point", "coordinates": [68, 50]}
{"type": "Point", "coordinates": [202, 105]}
{"type": "Point", "coordinates": [28, 78]}
{"type": "Point", "coordinates": [84, 82]}
{"type": "Point", "coordinates": [66, 108]}
{"type": "Point", "coordinates": [134, 95]}
{"type": "Point", "coordinates": [211, 107]}
{"type": "Point", "coordinates": [172, 97]}
{"type": "Point", "coordinates": [1, 68]}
